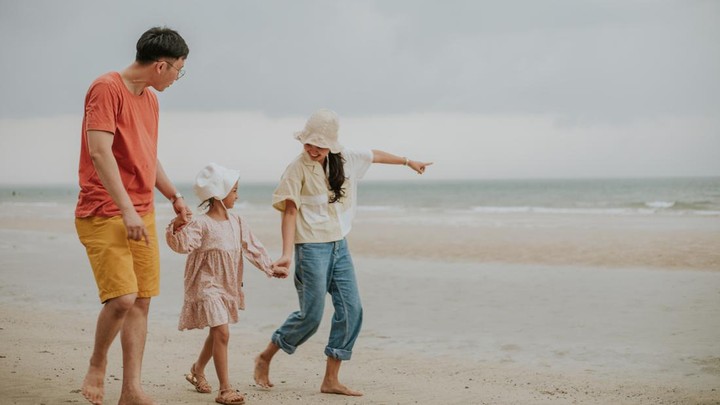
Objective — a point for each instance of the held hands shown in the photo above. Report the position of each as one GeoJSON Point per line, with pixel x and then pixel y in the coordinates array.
{"type": "Point", "coordinates": [184, 215]}
{"type": "Point", "coordinates": [279, 272]}
{"type": "Point", "coordinates": [181, 220]}
{"type": "Point", "coordinates": [280, 267]}
{"type": "Point", "coordinates": [181, 209]}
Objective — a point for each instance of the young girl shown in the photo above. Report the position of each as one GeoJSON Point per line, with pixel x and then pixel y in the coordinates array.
{"type": "Point", "coordinates": [317, 198]}
{"type": "Point", "coordinates": [216, 242]}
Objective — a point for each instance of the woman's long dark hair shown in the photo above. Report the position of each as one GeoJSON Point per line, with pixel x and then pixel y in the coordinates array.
{"type": "Point", "coordinates": [336, 175]}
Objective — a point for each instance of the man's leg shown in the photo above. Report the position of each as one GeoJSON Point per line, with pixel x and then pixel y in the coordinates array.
{"type": "Point", "coordinates": [146, 268]}
{"type": "Point", "coordinates": [110, 321]}
{"type": "Point", "coordinates": [134, 333]}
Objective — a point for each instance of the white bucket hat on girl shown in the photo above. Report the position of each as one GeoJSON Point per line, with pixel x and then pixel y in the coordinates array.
{"type": "Point", "coordinates": [215, 181]}
{"type": "Point", "coordinates": [321, 130]}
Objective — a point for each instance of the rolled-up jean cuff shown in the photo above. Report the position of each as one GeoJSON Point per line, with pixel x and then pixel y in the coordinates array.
{"type": "Point", "coordinates": [278, 340]}
{"type": "Point", "coordinates": [338, 353]}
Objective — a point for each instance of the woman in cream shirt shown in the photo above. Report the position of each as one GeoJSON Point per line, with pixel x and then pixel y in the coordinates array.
{"type": "Point", "coordinates": [317, 198]}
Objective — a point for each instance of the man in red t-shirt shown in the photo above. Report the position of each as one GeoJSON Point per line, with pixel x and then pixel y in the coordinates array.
{"type": "Point", "coordinates": [115, 217]}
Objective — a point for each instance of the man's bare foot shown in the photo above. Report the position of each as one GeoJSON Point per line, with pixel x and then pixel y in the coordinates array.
{"type": "Point", "coordinates": [92, 388]}
{"type": "Point", "coordinates": [262, 372]}
{"type": "Point", "coordinates": [337, 388]}
{"type": "Point", "coordinates": [135, 398]}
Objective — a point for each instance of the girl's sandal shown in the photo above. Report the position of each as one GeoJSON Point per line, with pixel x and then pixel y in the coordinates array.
{"type": "Point", "coordinates": [199, 381]}
{"type": "Point", "coordinates": [230, 397]}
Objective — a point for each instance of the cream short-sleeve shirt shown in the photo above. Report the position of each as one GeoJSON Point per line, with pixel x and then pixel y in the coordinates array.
{"type": "Point", "coordinates": [306, 184]}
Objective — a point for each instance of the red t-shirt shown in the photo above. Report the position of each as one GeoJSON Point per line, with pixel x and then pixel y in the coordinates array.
{"type": "Point", "coordinates": [111, 107]}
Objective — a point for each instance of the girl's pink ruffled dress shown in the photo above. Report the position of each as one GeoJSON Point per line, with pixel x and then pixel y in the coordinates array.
{"type": "Point", "coordinates": [214, 268]}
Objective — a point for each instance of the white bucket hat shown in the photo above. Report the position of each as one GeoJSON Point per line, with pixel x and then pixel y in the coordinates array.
{"type": "Point", "coordinates": [215, 181]}
{"type": "Point", "coordinates": [321, 130]}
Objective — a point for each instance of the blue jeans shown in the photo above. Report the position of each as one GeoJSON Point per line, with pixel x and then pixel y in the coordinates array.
{"type": "Point", "coordinates": [322, 268]}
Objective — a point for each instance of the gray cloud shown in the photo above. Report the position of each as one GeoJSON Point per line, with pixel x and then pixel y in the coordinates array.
{"type": "Point", "coordinates": [592, 61]}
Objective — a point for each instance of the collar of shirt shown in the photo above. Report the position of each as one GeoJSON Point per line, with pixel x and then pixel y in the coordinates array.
{"type": "Point", "coordinates": [305, 158]}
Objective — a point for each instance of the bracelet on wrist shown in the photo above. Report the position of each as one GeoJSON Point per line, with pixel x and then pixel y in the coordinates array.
{"type": "Point", "coordinates": [175, 197]}
{"type": "Point", "coordinates": [407, 161]}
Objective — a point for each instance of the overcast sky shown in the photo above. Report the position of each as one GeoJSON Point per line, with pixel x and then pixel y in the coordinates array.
{"type": "Point", "coordinates": [486, 89]}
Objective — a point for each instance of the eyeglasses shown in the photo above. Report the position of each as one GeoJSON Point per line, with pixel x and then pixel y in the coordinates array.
{"type": "Point", "coordinates": [181, 71]}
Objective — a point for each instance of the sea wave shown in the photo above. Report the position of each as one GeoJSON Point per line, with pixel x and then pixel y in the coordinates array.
{"type": "Point", "coordinates": [37, 209]}
{"type": "Point", "coordinates": [659, 207]}
{"type": "Point", "coordinates": [653, 207]}
{"type": "Point", "coordinates": [539, 210]}
{"type": "Point", "coordinates": [379, 208]}
{"type": "Point", "coordinates": [31, 204]}
{"type": "Point", "coordinates": [660, 204]}
{"type": "Point", "coordinates": [550, 210]}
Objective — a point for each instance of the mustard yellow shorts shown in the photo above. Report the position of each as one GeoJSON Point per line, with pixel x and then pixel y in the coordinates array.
{"type": "Point", "coordinates": [121, 266]}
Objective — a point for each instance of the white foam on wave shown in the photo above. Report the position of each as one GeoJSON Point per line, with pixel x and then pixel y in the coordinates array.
{"type": "Point", "coordinates": [378, 208]}
{"type": "Point", "coordinates": [660, 204]}
{"type": "Point", "coordinates": [548, 210]}
{"type": "Point", "coordinates": [659, 207]}
{"type": "Point", "coordinates": [37, 209]}
{"type": "Point", "coordinates": [32, 204]}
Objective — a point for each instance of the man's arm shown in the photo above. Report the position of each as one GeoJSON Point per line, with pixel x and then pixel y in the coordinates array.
{"type": "Point", "coordinates": [100, 149]}
{"type": "Point", "coordinates": [166, 187]}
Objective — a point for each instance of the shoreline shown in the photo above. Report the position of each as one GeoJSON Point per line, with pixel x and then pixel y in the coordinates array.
{"type": "Point", "coordinates": [603, 241]}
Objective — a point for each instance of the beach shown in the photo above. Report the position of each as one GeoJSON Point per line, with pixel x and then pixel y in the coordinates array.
{"type": "Point", "coordinates": [513, 307]}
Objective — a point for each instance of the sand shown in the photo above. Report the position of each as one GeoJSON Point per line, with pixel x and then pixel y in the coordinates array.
{"type": "Point", "coordinates": [500, 309]}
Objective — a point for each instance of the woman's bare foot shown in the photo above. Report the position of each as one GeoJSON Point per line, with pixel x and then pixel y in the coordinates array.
{"type": "Point", "coordinates": [92, 388]}
{"type": "Point", "coordinates": [262, 372]}
{"type": "Point", "coordinates": [135, 398]}
{"type": "Point", "coordinates": [337, 388]}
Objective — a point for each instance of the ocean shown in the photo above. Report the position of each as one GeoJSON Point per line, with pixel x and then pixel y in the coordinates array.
{"type": "Point", "coordinates": [654, 196]}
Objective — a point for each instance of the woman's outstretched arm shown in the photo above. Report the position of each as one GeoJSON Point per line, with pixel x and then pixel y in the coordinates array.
{"type": "Point", "coordinates": [380, 156]}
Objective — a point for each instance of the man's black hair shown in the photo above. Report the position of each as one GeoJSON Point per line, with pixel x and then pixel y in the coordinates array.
{"type": "Point", "coordinates": [159, 42]}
